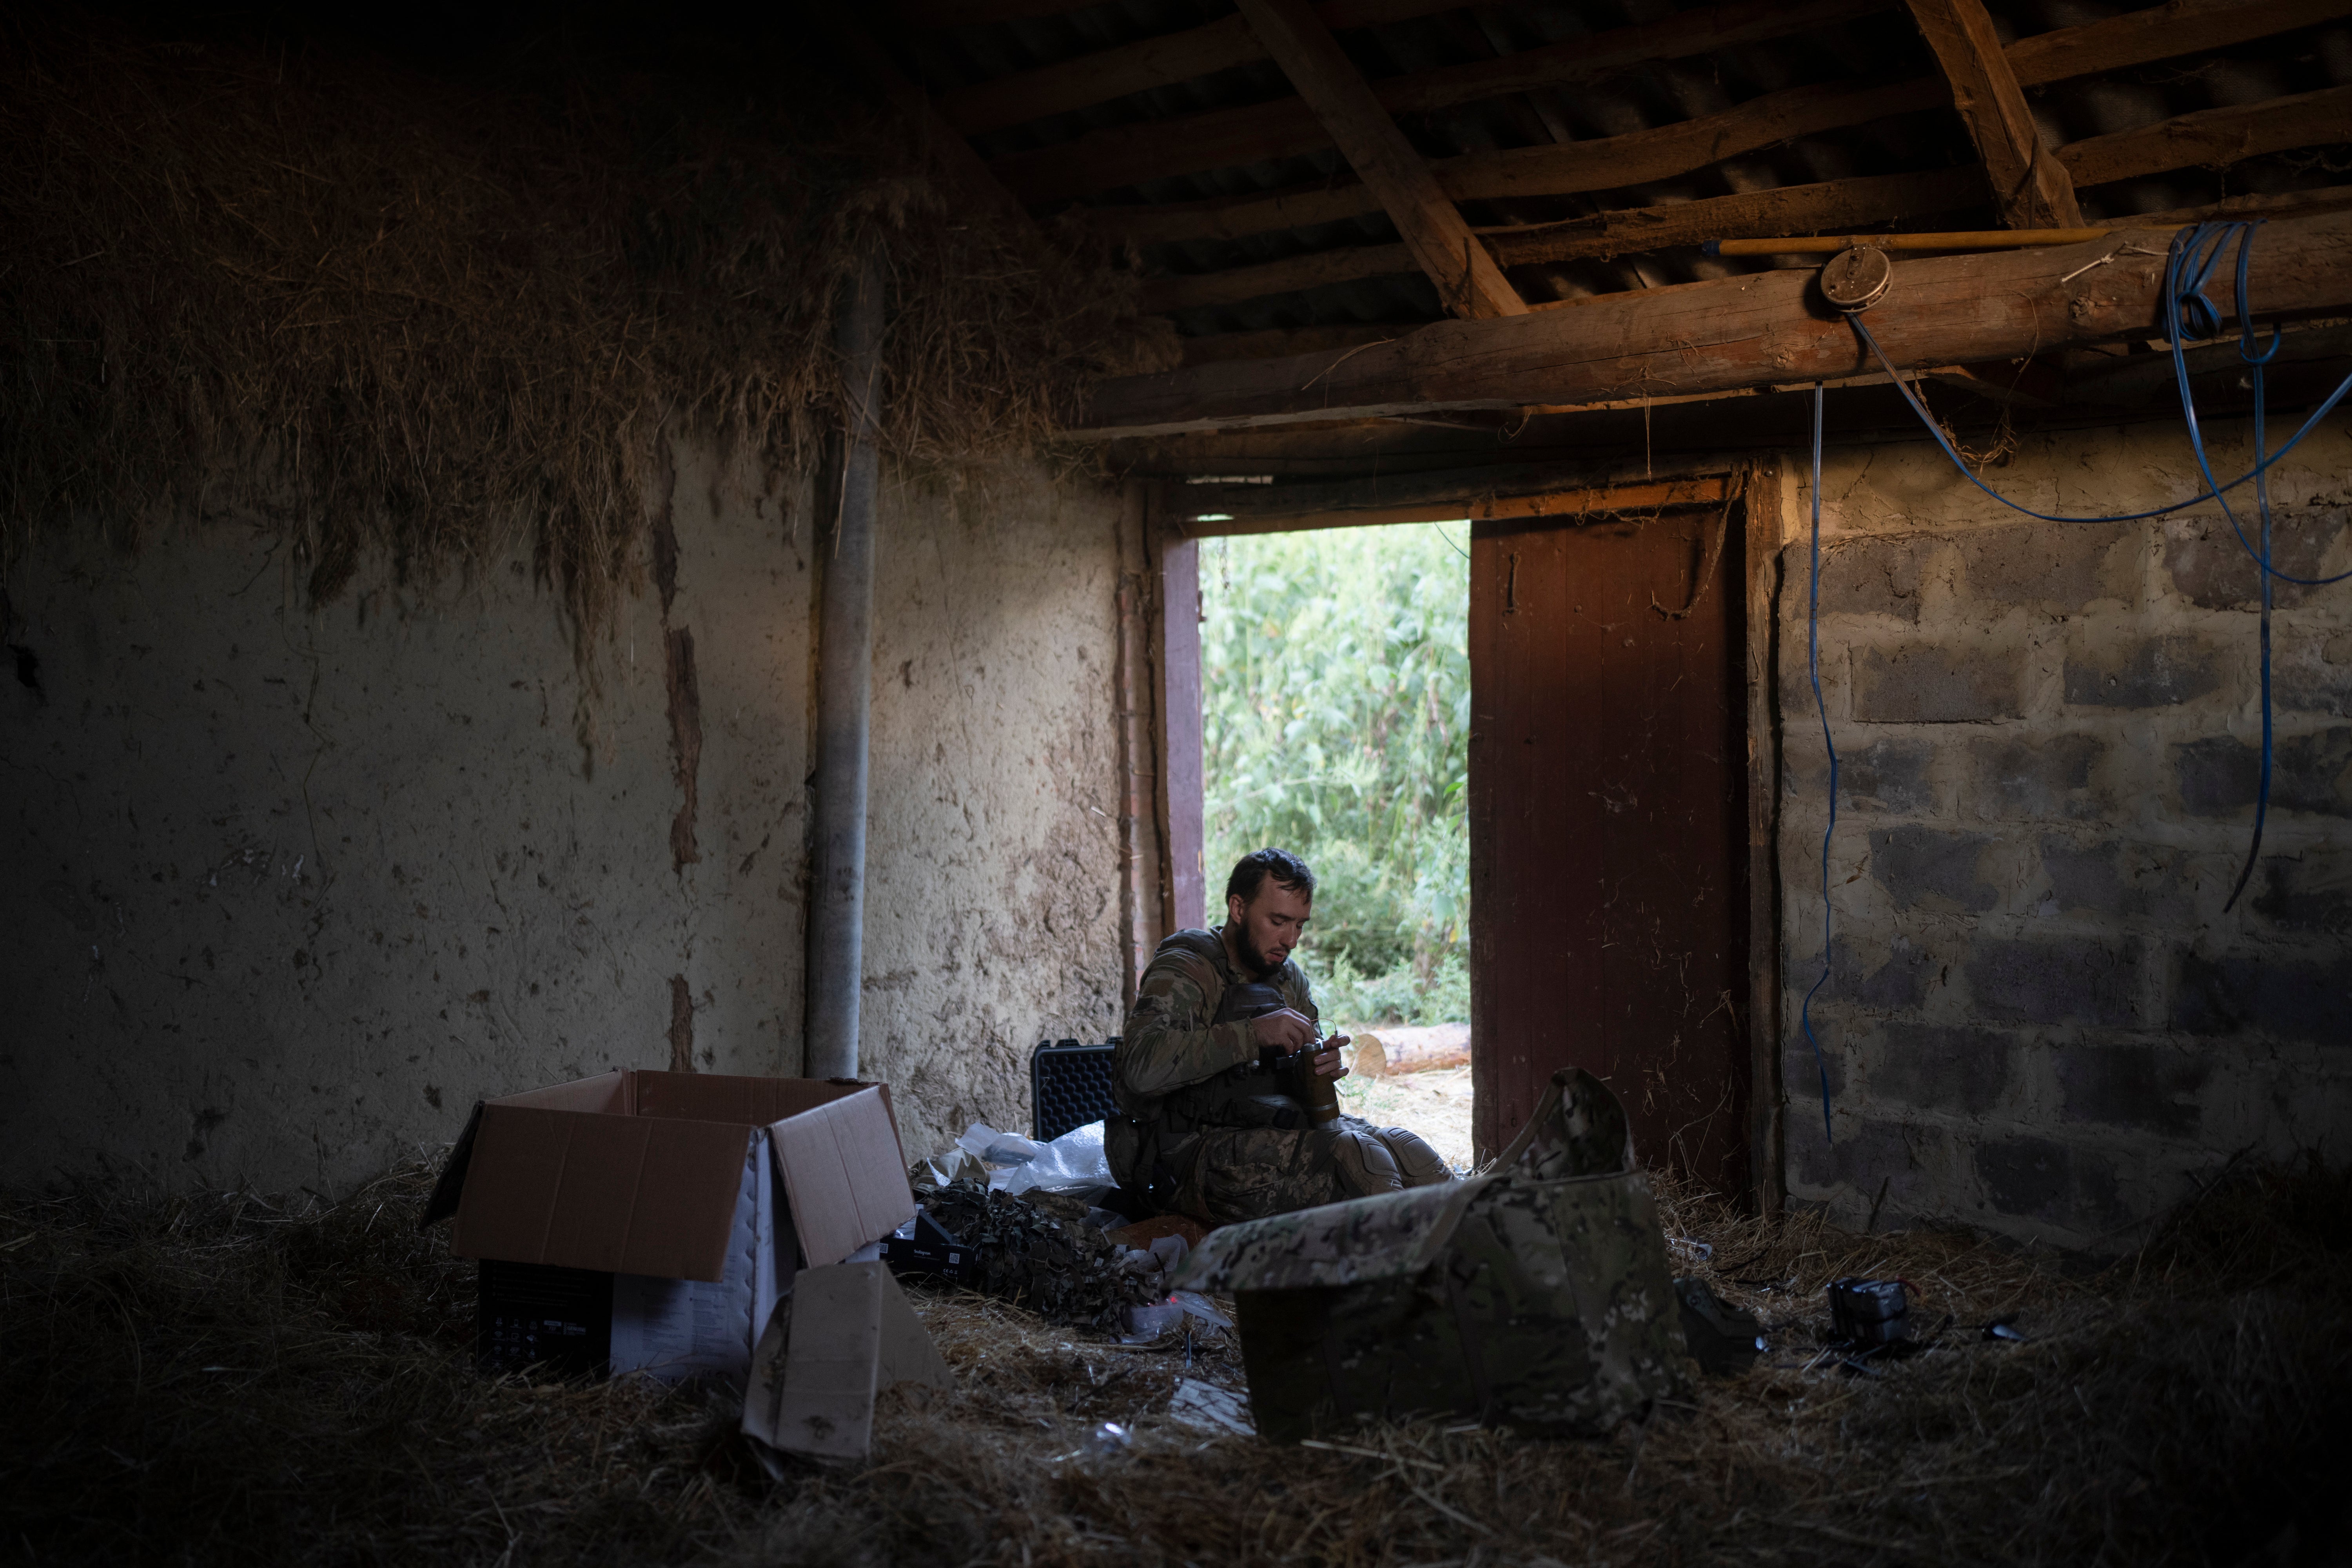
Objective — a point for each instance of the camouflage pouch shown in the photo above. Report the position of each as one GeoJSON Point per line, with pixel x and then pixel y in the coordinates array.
{"type": "Point", "coordinates": [1521, 1299]}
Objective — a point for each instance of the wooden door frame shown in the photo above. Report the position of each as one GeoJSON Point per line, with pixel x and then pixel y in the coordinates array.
{"type": "Point", "coordinates": [1172, 550]}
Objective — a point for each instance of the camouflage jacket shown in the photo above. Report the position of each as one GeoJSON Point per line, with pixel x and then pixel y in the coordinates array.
{"type": "Point", "coordinates": [1171, 1040]}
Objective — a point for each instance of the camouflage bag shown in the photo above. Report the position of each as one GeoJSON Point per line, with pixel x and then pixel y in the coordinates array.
{"type": "Point", "coordinates": [1536, 1296]}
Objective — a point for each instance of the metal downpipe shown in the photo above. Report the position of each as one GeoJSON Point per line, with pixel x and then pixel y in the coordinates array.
{"type": "Point", "coordinates": [845, 700]}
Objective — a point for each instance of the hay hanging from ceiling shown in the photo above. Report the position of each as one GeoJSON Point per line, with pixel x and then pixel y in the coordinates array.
{"type": "Point", "coordinates": [398, 317]}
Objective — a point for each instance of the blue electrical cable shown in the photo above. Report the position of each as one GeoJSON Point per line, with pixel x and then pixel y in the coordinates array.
{"type": "Point", "coordinates": [2214, 489]}
{"type": "Point", "coordinates": [2195, 251]}
{"type": "Point", "coordinates": [1813, 668]}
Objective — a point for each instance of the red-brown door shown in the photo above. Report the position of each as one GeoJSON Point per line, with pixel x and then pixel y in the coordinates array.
{"type": "Point", "coordinates": [1608, 842]}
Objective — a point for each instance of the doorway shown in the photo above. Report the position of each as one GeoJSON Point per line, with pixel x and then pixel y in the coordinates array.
{"type": "Point", "coordinates": [1609, 836]}
{"type": "Point", "coordinates": [1618, 800]}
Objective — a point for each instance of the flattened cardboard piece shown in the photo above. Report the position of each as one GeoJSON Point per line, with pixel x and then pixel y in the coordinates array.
{"type": "Point", "coordinates": [673, 1329]}
{"type": "Point", "coordinates": [622, 1195]}
{"type": "Point", "coordinates": [844, 1336]}
{"type": "Point", "coordinates": [843, 1176]}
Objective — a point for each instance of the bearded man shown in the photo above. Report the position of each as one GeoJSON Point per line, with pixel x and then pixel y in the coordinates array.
{"type": "Point", "coordinates": [1206, 1131]}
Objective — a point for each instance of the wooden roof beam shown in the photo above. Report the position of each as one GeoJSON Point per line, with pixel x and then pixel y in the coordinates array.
{"type": "Point", "coordinates": [1087, 79]}
{"type": "Point", "coordinates": [2137, 37]}
{"type": "Point", "coordinates": [1761, 329]}
{"type": "Point", "coordinates": [1285, 127]}
{"type": "Point", "coordinates": [2207, 136]}
{"type": "Point", "coordinates": [2214, 136]}
{"type": "Point", "coordinates": [2029, 186]}
{"type": "Point", "coordinates": [1456, 261]}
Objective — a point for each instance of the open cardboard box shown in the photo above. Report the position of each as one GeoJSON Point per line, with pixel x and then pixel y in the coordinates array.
{"type": "Point", "coordinates": [701, 1194]}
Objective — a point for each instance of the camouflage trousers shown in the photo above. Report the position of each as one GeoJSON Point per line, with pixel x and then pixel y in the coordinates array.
{"type": "Point", "coordinates": [1229, 1174]}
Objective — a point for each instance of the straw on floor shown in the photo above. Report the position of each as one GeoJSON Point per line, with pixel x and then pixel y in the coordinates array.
{"type": "Point", "coordinates": [221, 1379]}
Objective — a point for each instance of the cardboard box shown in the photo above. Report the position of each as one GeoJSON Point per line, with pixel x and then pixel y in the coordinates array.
{"type": "Point", "coordinates": [846, 1336]}
{"type": "Point", "coordinates": [701, 1194]}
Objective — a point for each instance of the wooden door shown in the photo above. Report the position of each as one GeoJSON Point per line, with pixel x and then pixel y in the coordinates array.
{"type": "Point", "coordinates": [1608, 836]}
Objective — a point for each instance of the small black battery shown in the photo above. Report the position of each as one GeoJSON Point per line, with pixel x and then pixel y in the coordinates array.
{"type": "Point", "coordinates": [922, 1246]}
{"type": "Point", "coordinates": [1870, 1312]}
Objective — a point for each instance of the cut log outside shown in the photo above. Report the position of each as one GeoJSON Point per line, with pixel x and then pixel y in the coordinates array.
{"type": "Point", "coordinates": [1763, 329]}
{"type": "Point", "coordinates": [2029, 186]}
{"type": "Point", "coordinates": [1467, 280]}
{"type": "Point", "coordinates": [1410, 1047]}
{"type": "Point", "coordinates": [2122, 41]}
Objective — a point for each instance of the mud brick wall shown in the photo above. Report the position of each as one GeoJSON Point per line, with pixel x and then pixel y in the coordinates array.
{"type": "Point", "coordinates": [2039, 1018]}
{"type": "Point", "coordinates": [287, 886]}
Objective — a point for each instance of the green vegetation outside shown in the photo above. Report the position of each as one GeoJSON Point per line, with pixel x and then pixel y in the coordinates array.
{"type": "Point", "coordinates": [1336, 697]}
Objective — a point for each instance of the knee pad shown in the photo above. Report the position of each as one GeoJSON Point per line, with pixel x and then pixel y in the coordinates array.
{"type": "Point", "coordinates": [1417, 1163]}
{"type": "Point", "coordinates": [1364, 1166]}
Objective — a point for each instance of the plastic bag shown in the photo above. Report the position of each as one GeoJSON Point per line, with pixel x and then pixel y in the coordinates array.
{"type": "Point", "coordinates": [1074, 1163]}
{"type": "Point", "coordinates": [997, 1147]}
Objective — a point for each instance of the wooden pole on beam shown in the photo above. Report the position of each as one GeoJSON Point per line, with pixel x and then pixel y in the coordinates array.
{"type": "Point", "coordinates": [1762, 330]}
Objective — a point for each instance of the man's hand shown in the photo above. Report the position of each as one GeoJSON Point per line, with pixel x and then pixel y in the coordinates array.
{"type": "Point", "coordinates": [1327, 1060]}
{"type": "Point", "coordinates": [1284, 1031]}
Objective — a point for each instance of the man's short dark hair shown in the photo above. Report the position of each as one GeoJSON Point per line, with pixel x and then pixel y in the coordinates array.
{"type": "Point", "coordinates": [1252, 869]}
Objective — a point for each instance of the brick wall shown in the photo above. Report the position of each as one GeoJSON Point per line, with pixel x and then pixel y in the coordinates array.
{"type": "Point", "coordinates": [2039, 1018]}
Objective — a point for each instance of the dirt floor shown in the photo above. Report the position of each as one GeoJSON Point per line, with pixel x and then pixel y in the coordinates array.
{"type": "Point", "coordinates": [226, 1380]}
{"type": "Point", "coordinates": [1435, 1104]}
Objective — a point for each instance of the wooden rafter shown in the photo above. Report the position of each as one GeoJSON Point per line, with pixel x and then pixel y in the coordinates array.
{"type": "Point", "coordinates": [2029, 186]}
{"type": "Point", "coordinates": [1127, 154]}
{"type": "Point", "coordinates": [1275, 342]}
{"type": "Point", "coordinates": [2207, 136]}
{"type": "Point", "coordinates": [1755, 330]}
{"type": "Point", "coordinates": [1790, 209]}
{"type": "Point", "coordinates": [1310, 269]}
{"type": "Point", "coordinates": [1286, 123]}
{"type": "Point", "coordinates": [2160, 32]}
{"type": "Point", "coordinates": [2214, 136]}
{"type": "Point", "coordinates": [1564, 168]}
{"type": "Point", "coordinates": [1139, 67]}
{"type": "Point", "coordinates": [1466, 278]}
{"type": "Point", "coordinates": [961, 173]}
{"type": "Point", "coordinates": [1668, 152]}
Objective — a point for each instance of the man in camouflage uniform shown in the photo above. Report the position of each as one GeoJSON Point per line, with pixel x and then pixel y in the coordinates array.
{"type": "Point", "coordinates": [1206, 1131]}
